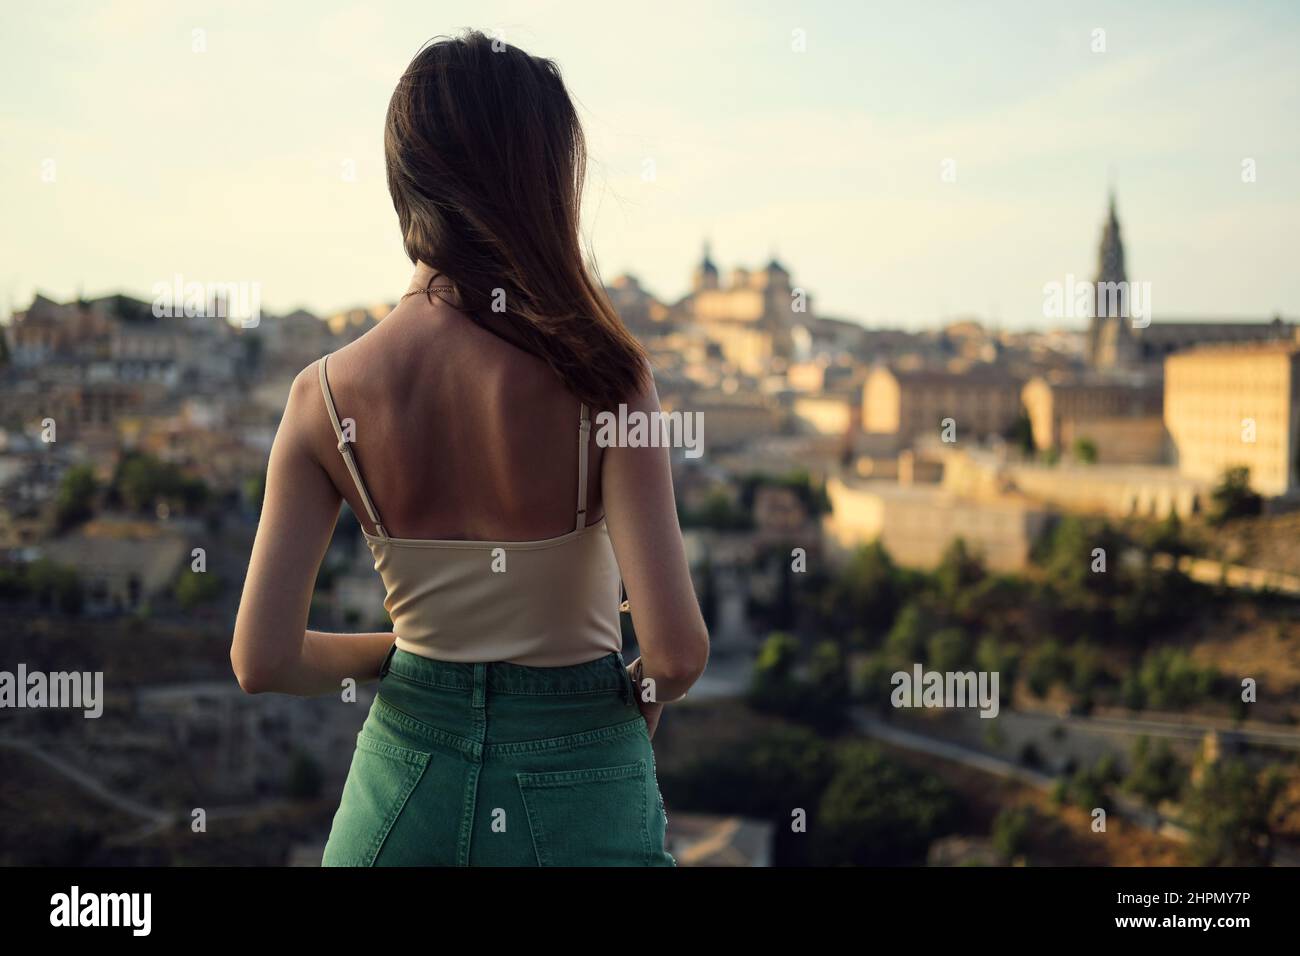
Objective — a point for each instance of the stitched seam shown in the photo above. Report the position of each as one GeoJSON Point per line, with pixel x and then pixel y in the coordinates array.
{"type": "Point", "coordinates": [563, 778]}
{"type": "Point", "coordinates": [467, 816]}
{"type": "Point", "coordinates": [385, 749]}
{"type": "Point", "coordinates": [535, 828]}
{"type": "Point", "coordinates": [612, 732]}
{"type": "Point", "coordinates": [459, 744]}
{"type": "Point", "coordinates": [517, 687]}
{"type": "Point", "coordinates": [453, 544]}
{"type": "Point", "coordinates": [397, 810]}
{"type": "Point", "coordinates": [646, 848]}
{"type": "Point", "coordinates": [441, 685]}
{"type": "Point", "coordinates": [416, 762]}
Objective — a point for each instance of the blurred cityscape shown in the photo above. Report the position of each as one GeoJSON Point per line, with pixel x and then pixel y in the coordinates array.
{"type": "Point", "coordinates": [1103, 512]}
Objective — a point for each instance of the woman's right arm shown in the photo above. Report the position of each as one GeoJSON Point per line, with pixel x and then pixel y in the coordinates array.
{"type": "Point", "coordinates": [641, 513]}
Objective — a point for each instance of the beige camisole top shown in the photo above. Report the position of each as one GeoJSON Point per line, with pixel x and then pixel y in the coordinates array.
{"type": "Point", "coordinates": [547, 603]}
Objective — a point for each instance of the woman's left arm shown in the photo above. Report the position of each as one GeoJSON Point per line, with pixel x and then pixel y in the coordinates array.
{"type": "Point", "coordinates": [272, 648]}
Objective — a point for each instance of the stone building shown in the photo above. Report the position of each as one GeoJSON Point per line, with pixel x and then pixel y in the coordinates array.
{"type": "Point", "coordinates": [1117, 341]}
{"type": "Point", "coordinates": [1229, 406]}
{"type": "Point", "coordinates": [982, 402]}
{"type": "Point", "coordinates": [1162, 337]}
{"type": "Point", "coordinates": [917, 523]}
{"type": "Point", "coordinates": [1122, 418]}
{"type": "Point", "coordinates": [756, 318]}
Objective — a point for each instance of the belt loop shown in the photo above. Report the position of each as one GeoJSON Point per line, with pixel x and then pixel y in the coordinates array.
{"type": "Point", "coordinates": [388, 660]}
{"type": "Point", "coordinates": [480, 685]}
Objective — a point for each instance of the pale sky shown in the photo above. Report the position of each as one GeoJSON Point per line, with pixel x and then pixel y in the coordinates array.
{"type": "Point", "coordinates": [228, 165]}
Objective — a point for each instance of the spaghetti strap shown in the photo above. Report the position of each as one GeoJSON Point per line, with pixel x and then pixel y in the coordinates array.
{"type": "Point", "coordinates": [584, 431]}
{"type": "Point", "coordinates": [345, 449]}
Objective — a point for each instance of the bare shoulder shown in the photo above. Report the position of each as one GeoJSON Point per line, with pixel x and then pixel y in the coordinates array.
{"type": "Point", "coordinates": [305, 424]}
{"type": "Point", "coordinates": [305, 384]}
{"type": "Point", "coordinates": [346, 364]}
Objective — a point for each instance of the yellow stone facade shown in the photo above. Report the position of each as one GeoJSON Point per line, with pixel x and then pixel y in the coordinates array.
{"type": "Point", "coordinates": [1236, 406]}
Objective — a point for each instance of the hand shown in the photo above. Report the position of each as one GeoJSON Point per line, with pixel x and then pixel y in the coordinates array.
{"type": "Point", "coordinates": [650, 710]}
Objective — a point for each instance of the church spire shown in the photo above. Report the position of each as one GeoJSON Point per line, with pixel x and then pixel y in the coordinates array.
{"type": "Point", "coordinates": [1110, 255]}
{"type": "Point", "coordinates": [1110, 343]}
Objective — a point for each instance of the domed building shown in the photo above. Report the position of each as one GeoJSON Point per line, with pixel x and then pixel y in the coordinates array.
{"type": "Point", "coordinates": [706, 273]}
{"type": "Point", "coordinates": [752, 318]}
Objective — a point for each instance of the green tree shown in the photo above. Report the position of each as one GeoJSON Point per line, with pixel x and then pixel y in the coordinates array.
{"type": "Point", "coordinates": [1068, 561]}
{"type": "Point", "coordinates": [1021, 434]}
{"type": "Point", "coordinates": [1074, 549]}
{"type": "Point", "coordinates": [871, 680]}
{"type": "Point", "coordinates": [996, 657]}
{"type": "Point", "coordinates": [1232, 814]}
{"type": "Point", "coordinates": [1085, 450]}
{"type": "Point", "coordinates": [1171, 680]}
{"type": "Point", "coordinates": [142, 481]}
{"type": "Point", "coordinates": [905, 643]}
{"type": "Point", "coordinates": [813, 496]}
{"type": "Point", "coordinates": [1232, 497]}
{"type": "Point", "coordinates": [75, 499]}
{"type": "Point", "coordinates": [948, 650]}
{"type": "Point", "coordinates": [959, 569]}
{"type": "Point", "coordinates": [820, 701]}
{"type": "Point", "coordinates": [828, 689]}
{"type": "Point", "coordinates": [878, 812]}
{"type": "Point", "coordinates": [774, 774]}
{"type": "Point", "coordinates": [1087, 673]}
{"type": "Point", "coordinates": [864, 598]}
{"type": "Point", "coordinates": [1091, 787]}
{"type": "Point", "coordinates": [53, 586]}
{"type": "Point", "coordinates": [196, 587]}
{"type": "Point", "coordinates": [1167, 537]}
{"type": "Point", "coordinates": [1046, 665]}
{"type": "Point", "coordinates": [1011, 831]}
{"type": "Point", "coordinates": [1156, 773]}
{"type": "Point", "coordinates": [774, 687]}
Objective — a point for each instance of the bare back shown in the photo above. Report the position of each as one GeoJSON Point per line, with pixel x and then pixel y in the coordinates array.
{"type": "Point", "coordinates": [458, 433]}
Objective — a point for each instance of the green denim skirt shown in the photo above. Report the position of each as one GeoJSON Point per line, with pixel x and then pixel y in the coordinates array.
{"type": "Point", "coordinates": [499, 764]}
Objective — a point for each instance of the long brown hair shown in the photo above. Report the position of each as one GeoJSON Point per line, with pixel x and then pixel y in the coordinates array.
{"type": "Point", "coordinates": [486, 161]}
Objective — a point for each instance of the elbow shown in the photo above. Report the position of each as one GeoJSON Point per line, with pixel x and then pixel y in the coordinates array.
{"type": "Point", "coordinates": [253, 677]}
{"type": "Point", "coordinates": [252, 681]}
{"type": "Point", "coordinates": [685, 664]}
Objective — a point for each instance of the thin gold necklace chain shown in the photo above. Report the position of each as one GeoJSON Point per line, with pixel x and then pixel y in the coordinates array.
{"type": "Point", "coordinates": [430, 289]}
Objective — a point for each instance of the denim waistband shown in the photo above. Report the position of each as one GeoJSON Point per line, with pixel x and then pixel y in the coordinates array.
{"type": "Point", "coordinates": [604, 674]}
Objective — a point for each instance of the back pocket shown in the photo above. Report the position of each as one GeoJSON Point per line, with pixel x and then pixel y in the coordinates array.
{"type": "Point", "coordinates": [594, 817]}
{"type": "Point", "coordinates": [379, 783]}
